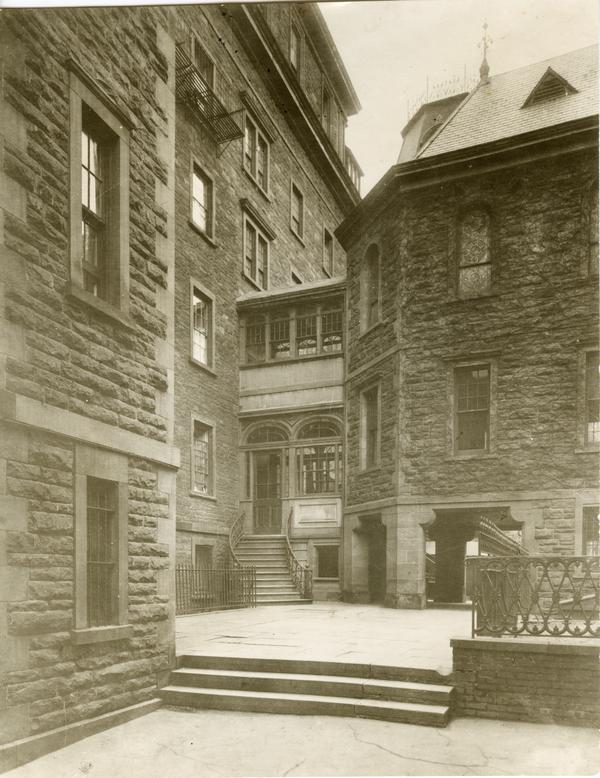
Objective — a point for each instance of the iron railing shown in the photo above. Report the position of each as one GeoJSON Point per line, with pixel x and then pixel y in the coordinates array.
{"type": "Point", "coordinates": [557, 596]}
{"type": "Point", "coordinates": [192, 89]}
{"type": "Point", "coordinates": [214, 588]}
{"type": "Point", "coordinates": [236, 533]}
{"type": "Point", "coordinates": [497, 542]}
{"type": "Point", "coordinates": [301, 574]}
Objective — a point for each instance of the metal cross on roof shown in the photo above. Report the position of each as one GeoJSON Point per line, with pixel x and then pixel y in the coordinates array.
{"type": "Point", "coordinates": [484, 69]}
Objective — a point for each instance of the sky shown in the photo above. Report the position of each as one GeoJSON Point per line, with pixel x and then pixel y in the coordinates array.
{"type": "Point", "coordinates": [392, 49]}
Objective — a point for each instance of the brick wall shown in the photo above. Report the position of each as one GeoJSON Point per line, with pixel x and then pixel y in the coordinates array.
{"type": "Point", "coordinates": [545, 681]}
{"type": "Point", "coordinates": [215, 396]}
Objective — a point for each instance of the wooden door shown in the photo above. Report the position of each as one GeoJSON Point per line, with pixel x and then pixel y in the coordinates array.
{"type": "Point", "coordinates": [267, 492]}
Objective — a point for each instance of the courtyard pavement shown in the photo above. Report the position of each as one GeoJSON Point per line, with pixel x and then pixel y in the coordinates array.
{"type": "Point", "coordinates": [173, 743]}
{"type": "Point", "coordinates": [330, 632]}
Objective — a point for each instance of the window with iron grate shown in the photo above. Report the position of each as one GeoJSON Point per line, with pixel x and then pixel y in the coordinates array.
{"type": "Point", "coordinates": [102, 557]}
{"type": "Point", "coordinates": [591, 530]}
{"type": "Point", "coordinates": [592, 398]}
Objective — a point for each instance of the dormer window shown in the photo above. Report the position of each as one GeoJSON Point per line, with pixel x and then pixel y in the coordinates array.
{"type": "Point", "coordinates": [550, 86]}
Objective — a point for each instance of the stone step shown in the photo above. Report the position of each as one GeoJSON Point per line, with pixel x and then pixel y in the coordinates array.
{"type": "Point", "coordinates": [277, 596]}
{"type": "Point", "coordinates": [304, 683]}
{"type": "Point", "coordinates": [313, 667]}
{"type": "Point", "coordinates": [275, 585]}
{"type": "Point", "coordinates": [260, 558]}
{"type": "Point", "coordinates": [310, 704]}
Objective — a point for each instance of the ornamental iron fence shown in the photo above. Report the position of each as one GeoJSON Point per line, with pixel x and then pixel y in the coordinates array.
{"type": "Point", "coordinates": [556, 596]}
{"type": "Point", "coordinates": [214, 588]}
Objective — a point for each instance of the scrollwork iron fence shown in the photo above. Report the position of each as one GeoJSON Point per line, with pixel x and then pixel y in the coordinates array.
{"type": "Point", "coordinates": [557, 596]}
{"type": "Point", "coordinates": [301, 574]}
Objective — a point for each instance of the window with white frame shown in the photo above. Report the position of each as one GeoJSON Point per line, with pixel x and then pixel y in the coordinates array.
{"type": "Point", "coordinates": [326, 110]}
{"type": "Point", "coordinates": [370, 426]}
{"type": "Point", "coordinates": [297, 211]}
{"type": "Point", "coordinates": [99, 198]}
{"type": "Point", "coordinates": [202, 198]}
{"type": "Point", "coordinates": [202, 458]}
{"type": "Point", "coordinates": [256, 153]}
{"type": "Point", "coordinates": [592, 399]}
{"type": "Point", "coordinates": [472, 408]}
{"type": "Point", "coordinates": [327, 252]}
{"type": "Point", "coordinates": [327, 561]}
{"type": "Point", "coordinates": [202, 317]}
{"type": "Point", "coordinates": [256, 253]}
{"type": "Point", "coordinates": [474, 254]}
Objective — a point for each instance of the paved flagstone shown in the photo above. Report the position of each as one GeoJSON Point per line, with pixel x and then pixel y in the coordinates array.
{"type": "Point", "coordinates": [328, 631]}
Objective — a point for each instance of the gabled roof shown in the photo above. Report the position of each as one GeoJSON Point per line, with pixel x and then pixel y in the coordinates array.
{"type": "Point", "coordinates": [499, 109]}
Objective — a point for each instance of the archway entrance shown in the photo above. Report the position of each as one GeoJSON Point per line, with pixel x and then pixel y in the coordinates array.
{"type": "Point", "coordinates": [455, 534]}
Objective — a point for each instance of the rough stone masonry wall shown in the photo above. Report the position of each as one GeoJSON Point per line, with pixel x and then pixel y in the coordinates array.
{"type": "Point", "coordinates": [47, 681]}
{"type": "Point", "coordinates": [542, 311]}
{"type": "Point", "coordinates": [64, 354]}
{"type": "Point", "coordinates": [545, 681]}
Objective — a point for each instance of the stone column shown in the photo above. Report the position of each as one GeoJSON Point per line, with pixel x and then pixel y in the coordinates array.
{"type": "Point", "coordinates": [450, 549]}
{"type": "Point", "coordinates": [405, 559]}
{"type": "Point", "coordinates": [355, 562]}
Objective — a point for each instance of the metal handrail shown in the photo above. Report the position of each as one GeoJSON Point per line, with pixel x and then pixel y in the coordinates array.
{"type": "Point", "coordinates": [236, 533]}
{"type": "Point", "coordinates": [301, 573]}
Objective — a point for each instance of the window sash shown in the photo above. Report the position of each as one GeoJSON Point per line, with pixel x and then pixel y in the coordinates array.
{"type": "Point", "coordinates": [472, 408]}
{"type": "Point", "coordinates": [319, 469]}
{"type": "Point", "coordinates": [297, 211]}
{"type": "Point", "coordinates": [94, 260]}
{"type": "Point", "coordinates": [256, 254]}
{"type": "Point", "coordinates": [202, 202]}
{"type": "Point", "coordinates": [202, 459]}
{"type": "Point", "coordinates": [202, 324]}
{"type": "Point", "coordinates": [256, 154]}
{"type": "Point", "coordinates": [328, 252]}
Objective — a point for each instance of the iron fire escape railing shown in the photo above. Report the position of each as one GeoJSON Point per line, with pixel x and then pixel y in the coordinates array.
{"type": "Point", "coordinates": [209, 109]}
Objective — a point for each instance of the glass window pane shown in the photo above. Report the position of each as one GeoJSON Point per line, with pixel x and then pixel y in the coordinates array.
{"type": "Point", "coordinates": [472, 431]}
{"type": "Point", "coordinates": [84, 149]}
{"type": "Point", "coordinates": [85, 187]}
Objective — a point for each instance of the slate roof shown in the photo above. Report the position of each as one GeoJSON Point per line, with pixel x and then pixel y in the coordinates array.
{"type": "Point", "coordinates": [494, 111]}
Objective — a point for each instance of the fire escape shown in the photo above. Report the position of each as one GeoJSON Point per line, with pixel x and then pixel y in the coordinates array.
{"type": "Point", "coordinates": [193, 90]}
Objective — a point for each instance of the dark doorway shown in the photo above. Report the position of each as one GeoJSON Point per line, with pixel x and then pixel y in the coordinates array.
{"type": "Point", "coordinates": [267, 492]}
{"type": "Point", "coordinates": [376, 536]}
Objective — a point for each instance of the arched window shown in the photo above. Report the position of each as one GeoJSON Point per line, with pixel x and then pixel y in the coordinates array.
{"type": "Point", "coordinates": [322, 428]}
{"type": "Point", "coordinates": [319, 465]}
{"type": "Point", "coordinates": [474, 261]}
{"type": "Point", "coordinates": [267, 434]}
{"type": "Point", "coordinates": [371, 286]}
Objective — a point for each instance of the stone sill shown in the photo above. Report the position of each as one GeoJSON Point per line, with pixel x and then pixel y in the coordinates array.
{"type": "Point", "coordinates": [203, 234]}
{"type": "Point", "coordinates": [471, 455]}
{"type": "Point", "coordinates": [82, 637]}
{"type": "Point", "coordinates": [257, 186]}
{"type": "Point", "coordinates": [204, 367]}
{"type": "Point", "coordinates": [298, 237]}
{"type": "Point", "coordinates": [590, 450]}
{"type": "Point", "coordinates": [288, 360]}
{"type": "Point", "coordinates": [100, 306]}
{"type": "Point", "coordinates": [209, 497]}
{"type": "Point", "coordinates": [545, 645]}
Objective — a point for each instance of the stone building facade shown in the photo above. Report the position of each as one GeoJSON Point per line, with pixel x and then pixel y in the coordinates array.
{"type": "Point", "coordinates": [282, 179]}
{"type": "Point", "coordinates": [88, 461]}
{"type": "Point", "coordinates": [472, 368]}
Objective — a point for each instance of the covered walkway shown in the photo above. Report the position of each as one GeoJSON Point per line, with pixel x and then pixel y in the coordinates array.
{"type": "Point", "coordinates": [330, 632]}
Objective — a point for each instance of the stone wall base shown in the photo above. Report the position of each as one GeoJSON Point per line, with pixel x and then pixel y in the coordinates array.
{"type": "Point", "coordinates": [21, 751]}
{"type": "Point", "coordinates": [540, 680]}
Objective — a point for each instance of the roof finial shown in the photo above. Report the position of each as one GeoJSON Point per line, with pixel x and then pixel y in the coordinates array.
{"type": "Point", "coordinates": [484, 68]}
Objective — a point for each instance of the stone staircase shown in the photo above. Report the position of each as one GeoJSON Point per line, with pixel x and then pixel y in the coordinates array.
{"type": "Point", "coordinates": [412, 696]}
{"type": "Point", "coordinates": [274, 584]}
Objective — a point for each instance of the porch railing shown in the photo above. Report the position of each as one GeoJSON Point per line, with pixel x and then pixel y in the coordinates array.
{"type": "Point", "coordinates": [236, 533]}
{"type": "Point", "coordinates": [301, 574]}
{"type": "Point", "coordinates": [214, 588]}
{"type": "Point", "coordinates": [557, 596]}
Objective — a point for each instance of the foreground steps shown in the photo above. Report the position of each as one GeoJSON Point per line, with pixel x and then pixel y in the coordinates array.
{"type": "Point", "coordinates": [411, 695]}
